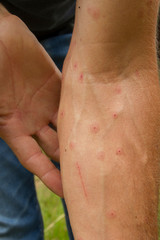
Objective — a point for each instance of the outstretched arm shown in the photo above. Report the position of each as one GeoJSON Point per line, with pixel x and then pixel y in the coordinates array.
{"type": "Point", "coordinates": [29, 99]}
{"type": "Point", "coordinates": [109, 121]}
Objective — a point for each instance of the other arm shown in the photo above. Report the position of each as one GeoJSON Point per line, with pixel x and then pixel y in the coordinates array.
{"type": "Point", "coordinates": [29, 99]}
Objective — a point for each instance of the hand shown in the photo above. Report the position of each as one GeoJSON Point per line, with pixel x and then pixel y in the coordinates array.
{"type": "Point", "coordinates": [29, 100]}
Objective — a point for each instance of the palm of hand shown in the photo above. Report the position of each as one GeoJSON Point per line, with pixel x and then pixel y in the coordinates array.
{"type": "Point", "coordinates": [29, 99]}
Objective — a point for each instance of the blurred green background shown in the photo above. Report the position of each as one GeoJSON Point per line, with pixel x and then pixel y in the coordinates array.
{"type": "Point", "coordinates": [53, 214]}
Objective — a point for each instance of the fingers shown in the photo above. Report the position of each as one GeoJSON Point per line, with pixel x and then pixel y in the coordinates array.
{"type": "Point", "coordinates": [30, 155]}
{"type": "Point", "coordinates": [48, 140]}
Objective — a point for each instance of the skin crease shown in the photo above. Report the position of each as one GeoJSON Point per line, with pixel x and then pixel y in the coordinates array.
{"type": "Point", "coordinates": [29, 99]}
{"type": "Point", "coordinates": [119, 97]}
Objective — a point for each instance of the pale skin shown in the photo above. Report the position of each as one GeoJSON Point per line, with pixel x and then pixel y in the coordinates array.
{"type": "Point", "coordinates": [108, 121]}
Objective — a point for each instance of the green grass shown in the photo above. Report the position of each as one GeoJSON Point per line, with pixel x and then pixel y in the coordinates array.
{"type": "Point", "coordinates": [53, 214]}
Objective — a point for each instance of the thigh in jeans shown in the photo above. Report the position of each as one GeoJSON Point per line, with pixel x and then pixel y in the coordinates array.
{"type": "Point", "coordinates": [20, 217]}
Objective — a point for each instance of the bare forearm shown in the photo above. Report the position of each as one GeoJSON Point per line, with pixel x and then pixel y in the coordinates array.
{"type": "Point", "coordinates": [109, 121]}
{"type": "Point", "coordinates": [110, 163]}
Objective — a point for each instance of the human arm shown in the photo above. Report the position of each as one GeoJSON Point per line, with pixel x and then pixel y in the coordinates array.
{"type": "Point", "coordinates": [29, 99]}
{"type": "Point", "coordinates": [109, 127]}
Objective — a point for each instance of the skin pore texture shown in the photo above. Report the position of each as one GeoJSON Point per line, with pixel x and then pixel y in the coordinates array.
{"type": "Point", "coordinates": [109, 121]}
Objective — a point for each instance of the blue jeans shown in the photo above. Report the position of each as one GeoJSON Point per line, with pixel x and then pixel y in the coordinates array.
{"type": "Point", "coordinates": [20, 216]}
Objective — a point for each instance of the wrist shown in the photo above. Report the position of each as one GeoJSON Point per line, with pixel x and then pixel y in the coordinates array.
{"type": "Point", "coordinates": [95, 65]}
{"type": "Point", "coordinates": [100, 57]}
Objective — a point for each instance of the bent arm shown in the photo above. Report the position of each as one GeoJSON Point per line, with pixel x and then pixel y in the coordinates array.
{"type": "Point", "coordinates": [121, 31]}
{"type": "Point", "coordinates": [109, 126]}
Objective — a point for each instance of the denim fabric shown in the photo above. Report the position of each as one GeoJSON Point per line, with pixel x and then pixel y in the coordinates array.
{"type": "Point", "coordinates": [57, 48]}
{"type": "Point", "coordinates": [20, 216]}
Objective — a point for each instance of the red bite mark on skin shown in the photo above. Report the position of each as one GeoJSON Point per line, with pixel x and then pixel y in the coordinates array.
{"type": "Point", "coordinates": [118, 90]}
{"type": "Point", "coordinates": [119, 152]}
{"type": "Point", "coordinates": [101, 155]}
{"type": "Point", "coordinates": [115, 115]}
{"type": "Point", "coordinates": [94, 128]}
{"type": "Point", "coordinates": [112, 214]}
{"type": "Point", "coordinates": [72, 145]}
{"type": "Point", "coordinates": [137, 74]}
{"type": "Point", "coordinates": [62, 114]}
{"type": "Point", "coordinates": [75, 66]}
{"type": "Point", "coordinates": [93, 12]}
{"type": "Point", "coordinates": [81, 178]}
{"type": "Point", "coordinates": [81, 78]}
